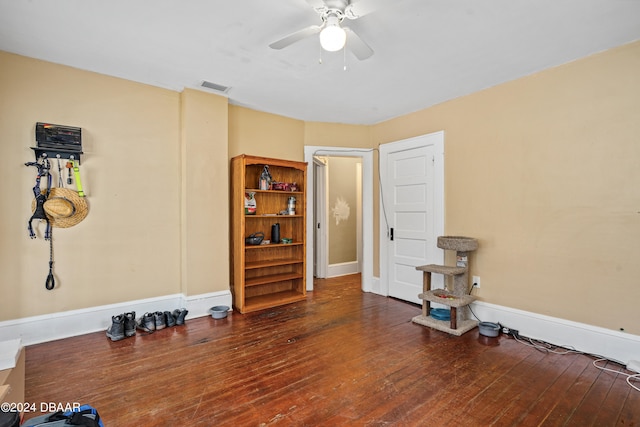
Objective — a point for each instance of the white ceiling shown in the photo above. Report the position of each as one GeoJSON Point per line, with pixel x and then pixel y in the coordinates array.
{"type": "Point", "coordinates": [426, 51]}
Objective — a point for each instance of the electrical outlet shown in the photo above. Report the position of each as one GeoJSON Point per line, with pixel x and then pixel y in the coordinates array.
{"type": "Point", "coordinates": [509, 331]}
{"type": "Point", "coordinates": [476, 281]}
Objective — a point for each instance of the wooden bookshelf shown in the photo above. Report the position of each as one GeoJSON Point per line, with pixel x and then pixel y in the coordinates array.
{"type": "Point", "coordinates": [267, 275]}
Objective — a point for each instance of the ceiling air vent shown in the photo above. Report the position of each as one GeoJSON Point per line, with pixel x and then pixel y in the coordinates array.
{"type": "Point", "coordinates": [214, 86]}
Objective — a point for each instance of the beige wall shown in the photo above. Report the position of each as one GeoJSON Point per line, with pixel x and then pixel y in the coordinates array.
{"type": "Point", "coordinates": [343, 244]}
{"type": "Point", "coordinates": [269, 135]}
{"type": "Point", "coordinates": [337, 135]}
{"type": "Point", "coordinates": [205, 193]}
{"type": "Point", "coordinates": [130, 245]}
{"type": "Point", "coordinates": [263, 134]}
{"type": "Point", "coordinates": [544, 171]}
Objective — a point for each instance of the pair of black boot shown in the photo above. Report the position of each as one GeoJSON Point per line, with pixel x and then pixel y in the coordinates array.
{"type": "Point", "coordinates": [159, 320]}
{"type": "Point", "coordinates": [125, 325]}
{"type": "Point", "coordinates": [122, 326]}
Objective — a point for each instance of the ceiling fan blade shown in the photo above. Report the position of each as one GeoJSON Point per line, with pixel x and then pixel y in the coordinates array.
{"type": "Point", "coordinates": [318, 5]}
{"type": "Point", "coordinates": [294, 37]}
{"type": "Point", "coordinates": [364, 7]}
{"type": "Point", "coordinates": [356, 45]}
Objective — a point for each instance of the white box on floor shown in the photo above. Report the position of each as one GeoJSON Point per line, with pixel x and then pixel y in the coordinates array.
{"type": "Point", "coordinates": [13, 370]}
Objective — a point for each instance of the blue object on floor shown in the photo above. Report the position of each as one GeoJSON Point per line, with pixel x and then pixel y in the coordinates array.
{"type": "Point", "coordinates": [441, 313]}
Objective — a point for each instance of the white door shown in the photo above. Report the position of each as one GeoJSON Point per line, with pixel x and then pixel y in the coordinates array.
{"type": "Point", "coordinates": [412, 212]}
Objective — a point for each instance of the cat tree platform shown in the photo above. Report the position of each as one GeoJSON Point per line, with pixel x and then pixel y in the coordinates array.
{"type": "Point", "coordinates": [458, 298]}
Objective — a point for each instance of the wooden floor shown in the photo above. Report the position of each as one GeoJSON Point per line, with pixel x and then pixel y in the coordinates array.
{"type": "Point", "coordinates": [342, 357]}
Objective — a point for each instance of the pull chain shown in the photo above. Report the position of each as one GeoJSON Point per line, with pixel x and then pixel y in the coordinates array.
{"type": "Point", "coordinates": [344, 58]}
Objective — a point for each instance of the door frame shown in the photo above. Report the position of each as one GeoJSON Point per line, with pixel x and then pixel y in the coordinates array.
{"type": "Point", "coordinates": [367, 208]}
{"type": "Point", "coordinates": [436, 139]}
{"type": "Point", "coordinates": [319, 216]}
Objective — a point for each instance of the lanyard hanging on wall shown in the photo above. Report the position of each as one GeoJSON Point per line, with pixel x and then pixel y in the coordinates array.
{"type": "Point", "coordinates": [76, 173]}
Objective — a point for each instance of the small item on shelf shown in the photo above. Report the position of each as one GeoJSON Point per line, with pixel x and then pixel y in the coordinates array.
{"type": "Point", "coordinates": [284, 186]}
{"type": "Point", "coordinates": [286, 240]}
{"type": "Point", "coordinates": [441, 293]}
{"type": "Point", "coordinates": [249, 203]}
{"type": "Point", "coordinates": [255, 238]}
{"type": "Point", "coordinates": [275, 233]}
{"type": "Point", "coordinates": [280, 186]}
{"type": "Point", "coordinates": [264, 183]}
{"type": "Point", "coordinates": [58, 141]}
{"type": "Point", "coordinates": [291, 206]}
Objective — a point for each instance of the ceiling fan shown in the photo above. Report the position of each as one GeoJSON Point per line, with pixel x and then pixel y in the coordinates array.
{"type": "Point", "coordinates": [333, 36]}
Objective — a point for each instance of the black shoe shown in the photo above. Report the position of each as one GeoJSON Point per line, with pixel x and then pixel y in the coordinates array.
{"type": "Point", "coordinates": [171, 321]}
{"type": "Point", "coordinates": [160, 320]}
{"type": "Point", "coordinates": [180, 314]}
{"type": "Point", "coordinates": [130, 324]}
{"type": "Point", "coordinates": [147, 323]}
{"type": "Point", "coordinates": [116, 331]}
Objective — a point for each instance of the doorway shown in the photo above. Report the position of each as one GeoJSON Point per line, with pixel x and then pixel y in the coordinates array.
{"type": "Point", "coordinates": [366, 156]}
{"type": "Point", "coordinates": [412, 213]}
{"type": "Point", "coordinates": [338, 216]}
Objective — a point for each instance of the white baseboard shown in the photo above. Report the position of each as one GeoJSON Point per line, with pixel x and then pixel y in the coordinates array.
{"type": "Point", "coordinates": [608, 343]}
{"type": "Point", "coordinates": [342, 269]}
{"type": "Point", "coordinates": [50, 327]}
{"type": "Point", "coordinates": [614, 345]}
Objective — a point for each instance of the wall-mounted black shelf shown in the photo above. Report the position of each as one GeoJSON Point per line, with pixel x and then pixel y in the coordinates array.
{"type": "Point", "coordinates": [53, 153]}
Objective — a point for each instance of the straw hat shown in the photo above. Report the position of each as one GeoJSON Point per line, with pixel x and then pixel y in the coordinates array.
{"type": "Point", "coordinates": [64, 207]}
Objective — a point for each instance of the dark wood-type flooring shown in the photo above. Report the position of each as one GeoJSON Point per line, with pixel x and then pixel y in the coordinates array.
{"type": "Point", "coordinates": [342, 357]}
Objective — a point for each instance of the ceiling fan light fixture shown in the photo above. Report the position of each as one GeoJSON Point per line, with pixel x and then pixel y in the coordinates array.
{"type": "Point", "coordinates": [332, 36]}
